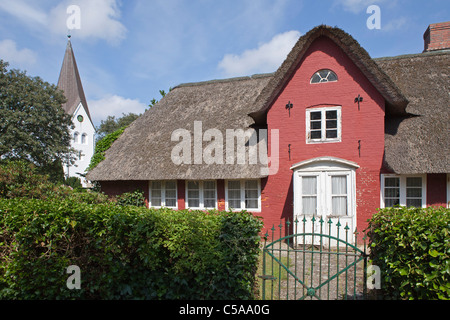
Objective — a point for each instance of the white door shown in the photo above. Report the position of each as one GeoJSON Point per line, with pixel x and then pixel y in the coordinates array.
{"type": "Point", "coordinates": [326, 192]}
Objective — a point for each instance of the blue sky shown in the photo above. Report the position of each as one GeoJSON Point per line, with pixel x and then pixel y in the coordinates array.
{"type": "Point", "coordinates": [127, 50]}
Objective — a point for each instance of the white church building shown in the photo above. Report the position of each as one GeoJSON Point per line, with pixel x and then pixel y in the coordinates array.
{"type": "Point", "coordinates": [76, 105]}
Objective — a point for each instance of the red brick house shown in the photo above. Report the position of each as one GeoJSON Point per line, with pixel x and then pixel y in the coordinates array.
{"type": "Point", "coordinates": [345, 134]}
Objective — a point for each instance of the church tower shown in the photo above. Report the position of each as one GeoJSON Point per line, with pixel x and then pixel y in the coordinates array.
{"type": "Point", "coordinates": [76, 106]}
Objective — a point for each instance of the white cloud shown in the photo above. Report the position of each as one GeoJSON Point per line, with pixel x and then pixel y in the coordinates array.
{"type": "Point", "coordinates": [98, 19]}
{"type": "Point", "coordinates": [266, 58]}
{"type": "Point", "coordinates": [114, 105]}
{"type": "Point", "coordinates": [10, 53]}
{"type": "Point", "coordinates": [24, 10]}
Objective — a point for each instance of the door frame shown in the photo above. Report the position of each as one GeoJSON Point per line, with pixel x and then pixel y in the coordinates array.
{"type": "Point", "coordinates": [323, 168]}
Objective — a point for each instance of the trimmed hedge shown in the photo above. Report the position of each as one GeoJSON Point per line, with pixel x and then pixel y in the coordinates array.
{"type": "Point", "coordinates": [125, 252]}
{"type": "Point", "coordinates": [412, 248]}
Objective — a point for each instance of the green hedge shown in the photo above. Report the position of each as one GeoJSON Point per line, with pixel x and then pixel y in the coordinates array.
{"type": "Point", "coordinates": [412, 248]}
{"type": "Point", "coordinates": [125, 252]}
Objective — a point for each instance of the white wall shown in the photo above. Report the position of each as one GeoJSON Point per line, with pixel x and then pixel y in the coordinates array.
{"type": "Point", "coordinates": [87, 147]}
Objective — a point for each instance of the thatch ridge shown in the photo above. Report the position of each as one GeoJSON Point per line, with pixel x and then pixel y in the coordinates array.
{"type": "Point", "coordinates": [396, 102]}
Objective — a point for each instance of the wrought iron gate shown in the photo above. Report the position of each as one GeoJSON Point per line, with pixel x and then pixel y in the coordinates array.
{"type": "Point", "coordinates": [327, 264]}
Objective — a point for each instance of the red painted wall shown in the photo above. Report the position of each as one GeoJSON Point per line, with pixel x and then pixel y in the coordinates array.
{"type": "Point", "coordinates": [366, 124]}
{"type": "Point", "coordinates": [437, 189]}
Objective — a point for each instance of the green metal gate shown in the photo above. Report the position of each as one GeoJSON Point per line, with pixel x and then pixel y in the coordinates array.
{"type": "Point", "coordinates": [327, 264]}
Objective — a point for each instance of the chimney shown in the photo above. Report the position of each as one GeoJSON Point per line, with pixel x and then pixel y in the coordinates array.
{"type": "Point", "coordinates": [437, 37]}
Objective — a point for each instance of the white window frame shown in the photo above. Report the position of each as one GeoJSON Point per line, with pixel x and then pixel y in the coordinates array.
{"type": "Point", "coordinates": [201, 195]}
{"type": "Point", "coordinates": [402, 187]}
{"type": "Point", "coordinates": [163, 194]}
{"type": "Point", "coordinates": [242, 185]}
{"type": "Point", "coordinates": [323, 138]}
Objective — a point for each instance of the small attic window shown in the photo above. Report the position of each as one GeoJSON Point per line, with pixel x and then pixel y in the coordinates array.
{"type": "Point", "coordinates": [324, 75]}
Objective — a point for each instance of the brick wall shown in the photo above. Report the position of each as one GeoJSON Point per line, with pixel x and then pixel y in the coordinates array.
{"type": "Point", "coordinates": [437, 37]}
{"type": "Point", "coordinates": [364, 127]}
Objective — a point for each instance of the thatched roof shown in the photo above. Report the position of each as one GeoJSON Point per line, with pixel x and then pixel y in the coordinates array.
{"type": "Point", "coordinates": [419, 143]}
{"type": "Point", "coordinates": [413, 144]}
{"type": "Point", "coordinates": [143, 152]}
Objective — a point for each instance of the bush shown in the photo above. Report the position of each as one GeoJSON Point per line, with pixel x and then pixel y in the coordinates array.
{"type": "Point", "coordinates": [135, 198]}
{"type": "Point", "coordinates": [125, 252]}
{"type": "Point", "coordinates": [412, 248]}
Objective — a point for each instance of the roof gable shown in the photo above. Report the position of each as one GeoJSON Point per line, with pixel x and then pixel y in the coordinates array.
{"type": "Point", "coordinates": [396, 101]}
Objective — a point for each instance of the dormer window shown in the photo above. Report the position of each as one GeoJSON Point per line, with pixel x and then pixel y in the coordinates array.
{"type": "Point", "coordinates": [324, 75]}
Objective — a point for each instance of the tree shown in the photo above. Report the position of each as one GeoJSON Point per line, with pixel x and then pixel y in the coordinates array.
{"type": "Point", "coordinates": [154, 101]}
{"type": "Point", "coordinates": [33, 125]}
{"type": "Point", "coordinates": [111, 124]}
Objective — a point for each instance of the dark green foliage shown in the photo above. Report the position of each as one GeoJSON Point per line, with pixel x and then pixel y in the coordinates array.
{"type": "Point", "coordinates": [102, 145]}
{"type": "Point", "coordinates": [73, 182]}
{"type": "Point", "coordinates": [125, 252]}
{"type": "Point", "coordinates": [412, 248]}
{"type": "Point", "coordinates": [21, 179]}
{"type": "Point", "coordinates": [33, 125]}
{"type": "Point", "coordinates": [135, 198]}
{"type": "Point", "coordinates": [112, 124]}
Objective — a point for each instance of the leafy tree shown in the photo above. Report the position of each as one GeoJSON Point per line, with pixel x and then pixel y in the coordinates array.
{"type": "Point", "coordinates": [33, 125]}
{"type": "Point", "coordinates": [154, 101]}
{"type": "Point", "coordinates": [111, 124]}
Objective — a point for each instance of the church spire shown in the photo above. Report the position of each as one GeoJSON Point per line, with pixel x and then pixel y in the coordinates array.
{"type": "Point", "coordinates": [70, 82]}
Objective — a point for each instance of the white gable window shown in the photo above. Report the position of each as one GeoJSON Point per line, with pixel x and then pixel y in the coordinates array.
{"type": "Point", "coordinates": [409, 191]}
{"type": "Point", "coordinates": [75, 137]}
{"type": "Point", "coordinates": [324, 75]}
{"type": "Point", "coordinates": [201, 194]}
{"type": "Point", "coordinates": [243, 195]}
{"type": "Point", "coordinates": [323, 124]}
{"type": "Point", "coordinates": [163, 194]}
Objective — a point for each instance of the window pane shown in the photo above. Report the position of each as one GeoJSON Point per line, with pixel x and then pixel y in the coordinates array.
{"type": "Point", "coordinates": [309, 185]}
{"type": "Point", "coordinates": [392, 182]}
{"type": "Point", "coordinates": [315, 78]}
{"type": "Point", "coordinates": [309, 205]}
{"type": "Point", "coordinates": [414, 182]}
{"type": "Point", "coordinates": [414, 203]}
{"type": "Point", "coordinates": [339, 206]}
{"type": "Point", "coordinates": [414, 192]}
{"type": "Point", "coordinates": [339, 185]}
{"type": "Point", "coordinates": [251, 184]}
{"type": "Point", "coordinates": [171, 185]}
{"type": "Point", "coordinates": [316, 134]}
{"type": "Point", "coordinates": [235, 204]}
{"type": "Point", "coordinates": [234, 185]}
{"type": "Point", "coordinates": [332, 77]}
{"type": "Point", "coordinates": [316, 115]}
{"type": "Point", "coordinates": [392, 192]}
{"type": "Point", "coordinates": [391, 202]}
{"type": "Point", "coordinates": [331, 115]}
{"type": "Point", "coordinates": [251, 204]}
{"type": "Point", "coordinates": [209, 203]}
{"type": "Point", "coordinates": [332, 134]}
{"type": "Point", "coordinates": [331, 124]}
{"type": "Point", "coordinates": [171, 202]}
{"type": "Point", "coordinates": [316, 125]}
{"type": "Point", "coordinates": [251, 194]}
{"type": "Point", "coordinates": [234, 195]}
{"type": "Point", "coordinates": [156, 194]}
